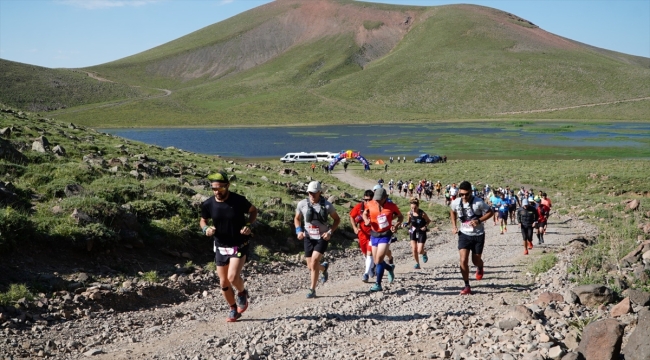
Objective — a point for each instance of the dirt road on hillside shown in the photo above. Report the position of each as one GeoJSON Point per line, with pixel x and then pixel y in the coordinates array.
{"type": "Point", "coordinates": [571, 107]}
{"type": "Point", "coordinates": [412, 318]}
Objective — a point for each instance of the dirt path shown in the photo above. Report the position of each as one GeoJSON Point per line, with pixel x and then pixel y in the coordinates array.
{"type": "Point", "coordinates": [409, 319]}
{"type": "Point", "coordinates": [572, 107]}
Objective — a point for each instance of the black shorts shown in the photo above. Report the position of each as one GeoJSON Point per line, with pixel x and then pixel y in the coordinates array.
{"type": "Point", "coordinates": [527, 233]}
{"type": "Point", "coordinates": [319, 245]}
{"type": "Point", "coordinates": [472, 243]}
{"type": "Point", "coordinates": [503, 215]}
{"type": "Point", "coordinates": [419, 236]}
{"type": "Point", "coordinates": [541, 224]}
{"type": "Point", "coordinates": [238, 252]}
{"type": "Point", "coordinates": [512, 207]}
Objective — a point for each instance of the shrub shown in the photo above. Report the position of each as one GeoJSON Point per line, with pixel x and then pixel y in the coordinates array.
{"type": "Point", "coordinates": [151, 276]}
{"type": "Point", "coordinates": [15, 293]}
{"type": "Point", "coordinates": [14, 226]}
{"type": "Point", "coordinates": [211, 266]}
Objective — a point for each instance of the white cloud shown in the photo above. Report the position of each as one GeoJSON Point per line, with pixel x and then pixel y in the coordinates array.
{"type": "Point", "coordinates": [105, 4]}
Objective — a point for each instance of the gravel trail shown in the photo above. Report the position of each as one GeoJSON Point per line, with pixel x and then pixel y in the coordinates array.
{"type": "Point", "coordinates": [419, 316]}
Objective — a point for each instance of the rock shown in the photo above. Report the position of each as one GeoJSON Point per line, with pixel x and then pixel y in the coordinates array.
{"type": "Point", "coordinates": [555, 353]}
{"type": "Point", "coordinates": [37, 146]}
{"type": "Point", "coordinates": [571, 340]}
{"type": "Point", "coordinates": [8, 152]}
{"type": "Point", "coordinates": [593, 295]}
{"type": "Point", "coordinates": [622, 308]}
{"type": "Point", "coordinates": [571, 298]}
{"type": "Point", "coordinates": [59, 150]}
{"type": "Point", "coordinates": [638, 346]}
{"type": "Point", "coordinates": [80, 216]}
{"type": "Point", "coordinates": [638, 297]}
{"type": "Point", "coordinates": [520, 312]}
{"type": "Point", "coordinates": [546, 298]}
{"type": "Point", "coordinates": [601, 340]}
{"type": "Point", "coordinates": [508, 324]}
{"type": "Point", "coordinates": [646, 257]}
{"type": "Point", "coordinates": [385, 353]}
{"type": "Point", "coordinates": [633, 205]}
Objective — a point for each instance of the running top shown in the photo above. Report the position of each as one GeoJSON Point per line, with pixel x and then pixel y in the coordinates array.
{"type": "Point", "coordinates": [381, 218]}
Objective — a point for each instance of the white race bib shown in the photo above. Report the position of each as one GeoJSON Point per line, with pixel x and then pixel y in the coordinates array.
{"type": "Point", "coordinates": [313, 231]}
{"type": "Point", "coordinates": [467, 226]}
{"type": "Point", "coordinates": [382, 220]}
{"type": "Point", "coordinates": [229, 251]}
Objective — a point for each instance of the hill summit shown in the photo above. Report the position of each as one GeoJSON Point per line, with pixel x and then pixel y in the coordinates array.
{"type": "Point", "coordinates": [337, 61]}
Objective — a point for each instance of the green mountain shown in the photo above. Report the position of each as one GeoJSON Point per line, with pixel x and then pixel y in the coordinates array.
{"type": "Point", "coordinates": [329, 61]}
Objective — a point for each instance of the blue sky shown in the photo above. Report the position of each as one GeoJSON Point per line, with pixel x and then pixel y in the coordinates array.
{"type": "Point", "coordinates": [78, 33]}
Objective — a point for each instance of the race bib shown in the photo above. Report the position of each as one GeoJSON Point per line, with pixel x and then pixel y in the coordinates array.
{"type": "Point", "coordinates": [502, 207]}
{"type": "Point", "coordinates": [228, 251]}
{"type": "Point", "coordinates": [313, 231]}
{"type": "Point", "coordinates": [382, 220]}
{"type": "Point", "coordinates": [467, 226]}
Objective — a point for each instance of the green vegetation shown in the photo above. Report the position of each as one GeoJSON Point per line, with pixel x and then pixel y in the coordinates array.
{"type": "Point", "coordinates": [36, 88]}
{"type": "Point", "coordinates": [543, 264]}
{"type": "Point", "coordinates": [151, 277]}
{"type": "Point", "coordinates": [455, 62]}
{"type": "Point", "coordinates": [372, 25]}
{"type": "Point", "coordinates": [15, 293]}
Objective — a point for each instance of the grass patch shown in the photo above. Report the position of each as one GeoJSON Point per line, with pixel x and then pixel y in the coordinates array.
{"type": "Point", "coordinates": [372, 25]}
{"type": "Point", "coordinates": [15, 293]}
{"type": "Point", "coordinates": [151, 277]}
{"type": "Point", "coordinates": [543, 264]}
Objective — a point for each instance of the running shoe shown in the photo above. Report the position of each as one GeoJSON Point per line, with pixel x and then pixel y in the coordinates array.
{"type": "Point", "coordinates": [391, 273]}
{"type": "Point", "coordinates": [242, 301]}
{"type": "Point", "coordinates": [530, 244]}
{"type": "Point", "coordinates": [466, 291]}
{"type": "Point", "coordinates": [324, 275]}
{"type": "Point", "coordinates": [416, 266]}
{"type": "Point", "coordinates": [526, 252]}
{"type": "Point", "coordinates": [365, 278]}
{"type": "Point", "coordinates": [311, 294]}
{"type": "Point", "coordinates": [233, 315]}
{"type": "Point", "coordinates": [479, 273]}
{"type": "Point", "coordinates": [376, 287]}
{"type": "Point", "coordinates": [501, 232]}
{"type": "Point", "coordinates": [425, 258]}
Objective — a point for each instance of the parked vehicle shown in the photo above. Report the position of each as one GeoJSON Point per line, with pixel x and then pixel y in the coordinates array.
{"type": "Point", "coordinates": [288, 157]}
{"type": "Point", "coordinates": [421, 159]}
{"type": "Point", "coordinates": [305, 157]}
{"type": "Point", "coordinates": [433, 159]}
{"type": "Point", "coordinates": [325, 156]}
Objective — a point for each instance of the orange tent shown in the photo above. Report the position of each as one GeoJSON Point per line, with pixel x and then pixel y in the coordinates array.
{"type": "Point", "coordinates": [379, 162]}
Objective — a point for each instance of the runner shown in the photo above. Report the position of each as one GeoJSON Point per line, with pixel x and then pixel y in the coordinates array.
{"type": "Point", "coordinates": [447, 196]}
{"type": "Point", "coordinates": [493, 202]}
{"type": "Point", "coordinates": [230, 232]}
{"type": "Point", "coordinates": [472, 212]}
{"type": "Point", "coordinates": [418, 189]}
{"type": "Point", "coordinates": [379, 215]}
{"type": "Point", "coordinates": [428, 190]}
{"type": "Point", "coordinates": [345, 166]}
{"type": "Point", "coordinates": [503, 206]}
{"type": "Point", "coordinates": [527, 218]}
{"type": "Point", "coordinates": [405, 188]}
{"type": "Point", "coordinates": [363, 233]}
{"type": "Point", "coordinates": [438, 188]}
{"type": "Point", "coordinates": [512, 209]}
{"type": "Point", "coordinates": [317, 232]}
{"type": "Point", "coordinates": [418, 221]}
{"type": "Point", "coordinates": [542, 212]}
{"type": "Point", "coordinates": [391, 185]}
{"type": "Point", "coordinates": [453, 192]}
{"type": "Point", "coordinates": [546, 201]}
{"type": "Point", "coordinates": [411, 187]}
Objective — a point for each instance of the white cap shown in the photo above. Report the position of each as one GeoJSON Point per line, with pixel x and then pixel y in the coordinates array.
{"type": "Point", "coordinates": [377, 187]}
{"type": "Point", "coordinates": [313, 187]}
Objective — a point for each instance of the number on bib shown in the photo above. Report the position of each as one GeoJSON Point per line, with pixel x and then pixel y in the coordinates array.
{"type": "Point", "coordinates": [313, 231]}
{"type": "Point", "coordinates": [467, 226]}
{"type": "Point", "coordinates": [382, 220]}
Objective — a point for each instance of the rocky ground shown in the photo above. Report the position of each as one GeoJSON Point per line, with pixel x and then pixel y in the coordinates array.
{"type": "Point", "coordinates": [512, 315]}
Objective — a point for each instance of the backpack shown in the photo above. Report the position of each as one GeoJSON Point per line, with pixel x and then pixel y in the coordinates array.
{"type": "Point", "coordinates": [320, 215]}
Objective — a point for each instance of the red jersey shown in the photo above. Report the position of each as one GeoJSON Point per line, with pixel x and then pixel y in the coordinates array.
{"type": "Point", "coordinates": [357, 215]}
{"type": "Point", "coordinates": [381, 217]}
{"type": "Point", "coordinates": [547, 202]}
{"type": "Point", "coordinates": [542, 212]}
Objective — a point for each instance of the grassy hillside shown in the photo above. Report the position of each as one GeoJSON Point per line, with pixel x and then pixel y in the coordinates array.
{"type": "Point", "coordinates": [327, 61]}
{"type": "Point", "coordinates": [36, 88]}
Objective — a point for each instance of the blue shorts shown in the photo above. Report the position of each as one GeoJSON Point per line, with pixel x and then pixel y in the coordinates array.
{"type": "Point", "coordinates": [374, 241]}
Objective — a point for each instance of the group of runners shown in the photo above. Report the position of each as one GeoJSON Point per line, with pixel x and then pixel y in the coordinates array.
{"type": "Point", "coordinates": [375, 220]}
{"type": "Point", "coordinates": [410, 188]}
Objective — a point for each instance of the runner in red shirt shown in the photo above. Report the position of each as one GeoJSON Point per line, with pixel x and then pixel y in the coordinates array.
{"type": "Point", "coordinates": [542, 211]}
{"type": "Point", "coordinates": [379, 214]}
{"type": "Point", "coordinates": [363, 233]}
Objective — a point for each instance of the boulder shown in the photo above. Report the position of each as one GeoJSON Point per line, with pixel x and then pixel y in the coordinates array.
{"type": "Point", "coordinates": [572, 356]}
{"type": "Point", "coordinates": [520, 312]}
{"type": "Point", "coordinates": [8, 152]}
{"type": "Point", "coordinates": [38, 147]}
{"type": "Point", "coordinates": [593, 295]}
{"type": "Point", "coordinates": [638, 345]}
{"type": "Point", "coordinates": [73, 190]}
{"type": "Point", "coordinates": [546, 298]}
{"type": "Point", "coordinates": [59, 150]}
{"type": "Point", "coordinates": [622, 308]}
{"type": "Point", "coordinates": [633, 205]}
{"type": "Point", "coordinates": [638, 297]}
{"type": "Point", "coordinates": [508, 324]}
{"type": "Point", "coordinates": [601, 340]}
{"type": "Point", "coordinates": [571, 297]}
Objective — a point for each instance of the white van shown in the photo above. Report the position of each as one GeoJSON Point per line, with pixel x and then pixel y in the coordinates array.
{"type": "Point", "coordinates": [288, 157]}
{"type": "Point", "coordinates": [304, 157]}
{"type": "Point", "coordinates": [325, 156]}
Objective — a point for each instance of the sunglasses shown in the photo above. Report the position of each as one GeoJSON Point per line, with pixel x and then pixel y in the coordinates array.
{"type": "Point", "coordinates": [221, 188]}
{"type": "Point", "coordinates": [367, 199]}
{"type": "Point", "coordinates": [463, 194]}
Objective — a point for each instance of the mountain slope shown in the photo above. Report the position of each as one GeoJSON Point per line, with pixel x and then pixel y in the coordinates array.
{"type": "Point", "coordinates": [328, 61]}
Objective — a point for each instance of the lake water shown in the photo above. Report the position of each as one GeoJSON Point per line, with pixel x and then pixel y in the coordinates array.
{"type": "Point", "coordinates": [385, 140]}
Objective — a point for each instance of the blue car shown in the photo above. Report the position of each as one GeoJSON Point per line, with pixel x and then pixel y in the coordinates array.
{"type": "Point", "coordinates": [421, 159]}
{"type": "Point", "coordinates": [433, 159]}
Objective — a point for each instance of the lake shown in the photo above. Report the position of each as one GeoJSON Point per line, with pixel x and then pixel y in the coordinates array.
{"type": "Point", "coordinates": [512, 139]}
